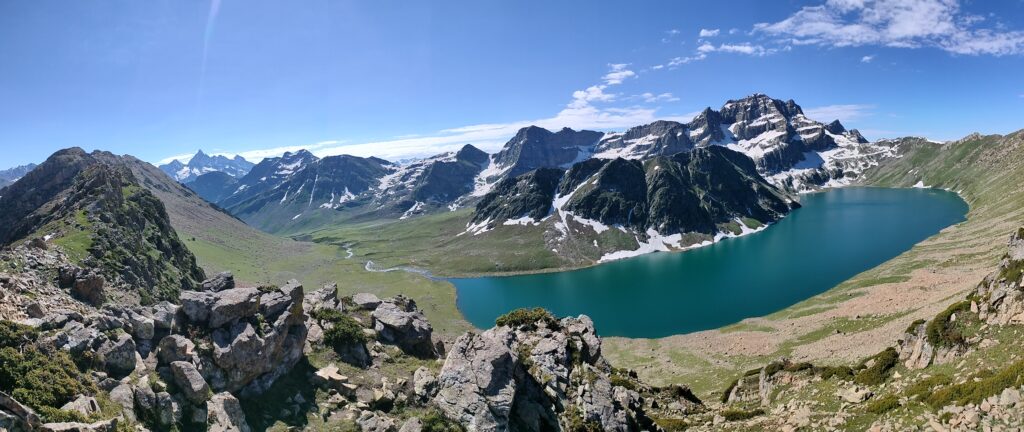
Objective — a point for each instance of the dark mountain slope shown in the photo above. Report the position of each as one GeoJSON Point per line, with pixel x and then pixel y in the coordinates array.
{"type": "Point", "coordinates": [213, 186]}
{"type": "Point", "coordinates": [691, 192]}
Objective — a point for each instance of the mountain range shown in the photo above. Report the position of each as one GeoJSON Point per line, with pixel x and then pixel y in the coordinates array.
{"type": "Point", "coordinates": [730, 171]}
{"type": "Point", "coordinates": [202, 163]}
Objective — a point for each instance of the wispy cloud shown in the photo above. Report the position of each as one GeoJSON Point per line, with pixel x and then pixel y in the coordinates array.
{"type": "Point", "coordinates": [867, 59]}
{"type": "Point", "coordinates": [894, 23]}
{"type": "Point", "coordinates": [848, 112]}
{"type": "Point", "coordinates": [706, 33]}
{"type": "Point", "coordinates": [618, 74]}
{"type": "Point", "coordinates": [662, 97]}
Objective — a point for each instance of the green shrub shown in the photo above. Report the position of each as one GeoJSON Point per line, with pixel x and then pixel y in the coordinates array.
{"type": "Point", "coordinates": [728, 390]}
{"type": "Point", "coordinates": [15, 335]}
{"type": "Point", "coordinates": [673, 425]}
{"type": "Point", "coordinates": [434, 421]}
{"type": "Point", "coordinates": [880, 370]}
{"type": "Point", "coordinates": [41, 379]}
{"type": "Point", "coordinates": [531, 317]}
{"type": "Point", "coordinates": [56, 415]}
{"type": "Point", "coordinates": [345, 331]}
{"type": "Point", "coordinates": [841, 372]}
{"type": "Point", "coordinates": [978, 388]}
{"type": "Point", "coordinates": [797, 367]}
{"type": "Point", "coordinates": [913, 326]}
{"type": "Point", "coordinates": [740, 415]}
{"type": "Point", "coordinates": [773, 368]}
{"type": "Point", "coordinates": [941, 332]}
{"type": "Point", "coordinates": [1012, 271]}
{"type": "Point", "coordinates": [924, 388]}
{"type": "Point", "coordinates": [883, 404]}
{"type": "Point", "coordinates": [620, 381]}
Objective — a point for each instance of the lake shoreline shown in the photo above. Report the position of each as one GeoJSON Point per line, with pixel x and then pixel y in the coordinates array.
{"type": "Point", "coordinates": [909, 216]}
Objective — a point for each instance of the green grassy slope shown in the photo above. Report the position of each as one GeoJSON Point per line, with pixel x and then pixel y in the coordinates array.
{"type": "Point", "coordinates": [221, 242]}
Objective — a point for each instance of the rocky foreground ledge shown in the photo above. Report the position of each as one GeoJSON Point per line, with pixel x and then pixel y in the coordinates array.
{"type": "Point", "coordinates": [229, 358]}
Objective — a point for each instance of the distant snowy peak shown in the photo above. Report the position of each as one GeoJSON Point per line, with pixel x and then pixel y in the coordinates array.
{"type": "Point", "coordinates": [202, 163]}
{"type": "Point", "coordinates": [12, 175]}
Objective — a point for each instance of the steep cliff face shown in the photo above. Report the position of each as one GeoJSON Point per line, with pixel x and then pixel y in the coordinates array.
{"type": "Point", "coordinates": [96, 210]}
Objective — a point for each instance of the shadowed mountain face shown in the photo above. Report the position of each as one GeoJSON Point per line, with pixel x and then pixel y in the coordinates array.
{"type": "Point", "coordinates": [213, 186]}
{"type": "Point", "coordinates": [99, 211]}
{"type": "Point", "coordinates": [691, 192]}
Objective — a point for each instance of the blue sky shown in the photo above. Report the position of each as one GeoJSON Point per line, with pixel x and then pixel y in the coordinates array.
{"type": "Point", "coordinates": [158, 79]}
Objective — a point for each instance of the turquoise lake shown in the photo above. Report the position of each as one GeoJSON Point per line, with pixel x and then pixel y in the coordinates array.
{"type": "Point", "coordinates": [833, 237]}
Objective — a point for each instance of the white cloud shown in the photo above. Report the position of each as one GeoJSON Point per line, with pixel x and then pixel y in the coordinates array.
{"type": "Point", "coordinates": [894, 23]}
{"type": "Point", "coordinates": [704, 33]}
{"type": "Point", "coordinates": [618, 74]}
{"type": "Point", "coordinates": [867, 59]}
{"type": "Point", "coordinates": [662, 97]}
{"type": "Point", "coordinates": [741, 48]}
{"type": "Point", "coordinates": [843, 113]}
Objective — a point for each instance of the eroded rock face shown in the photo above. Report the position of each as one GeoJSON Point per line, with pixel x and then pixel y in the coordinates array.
{"type": "Point", "coordinates": [219, 282]}
{"type": "Point", "coordinates": [542, 376]}
{"type": "Point", "coordinates": [915, 350]}
{"type": "Point", "coordinates": [190, 381]}
{"type": "Point", "coordinates": [1001, 295]}
{"type": "Point", "coordinates": [399, 322]}
{"type": "Point", "coordinates": [253, 345]}
{"type": "Point", "coordinates": [118, 355]}
{"type": "Point", "coordinates": [224, 414]}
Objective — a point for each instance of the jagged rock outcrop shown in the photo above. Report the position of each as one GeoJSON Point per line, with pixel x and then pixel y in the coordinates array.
{"type": "Point", "coordinates": [250, 348]}
{"type": "Point", "coordinates": [400, 322]}
{"type": "Point", "coordinates": [542, 375]}
{"type": "Point", "coordinates": [225, 414]}
{"type": "Point", "coordinates": [15, 416]}
{"type": "Point", "coordinates": [1000, 297]}
{"type": "Point", "coordinates": [915, 350]}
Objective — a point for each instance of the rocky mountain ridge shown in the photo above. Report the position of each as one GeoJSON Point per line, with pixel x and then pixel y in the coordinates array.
{"type": "Point", "coordinates": [202, 163]}
{"type": "Point", "coordinates": [116, 233]}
